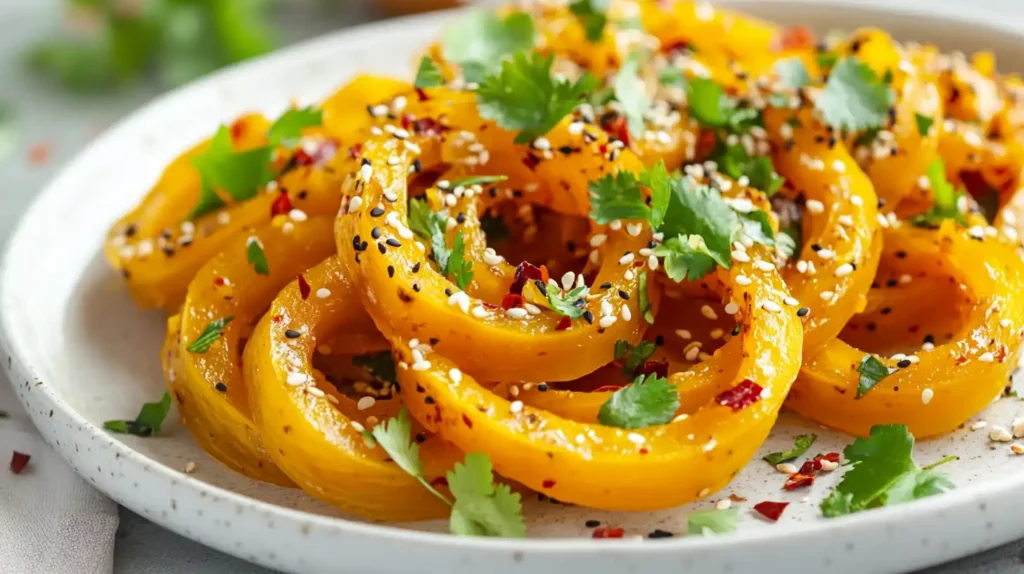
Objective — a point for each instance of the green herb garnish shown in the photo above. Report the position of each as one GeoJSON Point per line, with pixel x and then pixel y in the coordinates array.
{"type": "Point", "coordinates": [148, 421]}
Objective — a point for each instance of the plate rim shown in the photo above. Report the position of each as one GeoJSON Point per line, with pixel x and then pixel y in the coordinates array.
{"type": "Point", "coordinates": [18, 367]}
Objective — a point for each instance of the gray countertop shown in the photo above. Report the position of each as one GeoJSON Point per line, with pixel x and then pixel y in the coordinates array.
{"type": "Point", "coordinates": [60, 125]}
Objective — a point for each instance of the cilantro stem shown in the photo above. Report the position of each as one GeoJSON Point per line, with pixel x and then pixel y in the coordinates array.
{"type": "Point", "coordinates": [950, 458]}
{"type": "Point", "coordinates": [426, 485]}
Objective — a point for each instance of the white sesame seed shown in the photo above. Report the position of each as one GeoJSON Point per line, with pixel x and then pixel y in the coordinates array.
{"type": "Point", "coordinates": [986, 357]}
{"type": "Point", "coordinates": [607, 321]}
{"type": "Point", "coordinates": [636, 438]}
{"type": "Point", "coordinates": [516, 407]}
{"type": "Point", "coordinates": [740, 256]}
{"type": "Point", "coordinates": [357, 427]}
{"type": "Point", "coordinates": [723, 504]}
{"type": "Point", "coordinates": [710, 445]}
{"type": "Point", "coordinates": [826, 254]}
{"type": "Point", "coordinates": [716, 334]}
{"type": "Point", "coordinates": [844, 270]}
{"type": "Point", "coordinates": [764, 265]}
{"type": "Point", "coordinates": [626, 259]}
{"type": "Point", "coordinates": [531, 308]}
{"type": "Point", "coordinates": [492, 258]}
{"type": "Point", "coordinates": [190, 467]}
{"type": "Point", "coordinates": [295, 379]}
{"type": "Point", "coordinates": [606, 308]}
{"type": "Point", "coordinates": [315, 392]}
{"type": "Point", "coordinates": [786, 468]}
{"type": "Point", "coordinates": [979, 425]}
{"type": "Point", "coordinates": [771, 306]}
{"type": "Point", "coordinates": [708, 312]}
{"type": "Point", "coordinates": [828, 465]}
{"type": "Point", "coordinates": [652, 263]}
{"type": "Point", "coordinates": [366, 403]}
{"type": "Point", "coordinates": [421, 366]}
{"type": "Point", "coordinates": [625, 313]}
{"type": "Point", "coordinates": [846, 220]}
{"type": "Point", "coordinates": [814, 206]}
{"type": "Point", "coordinates": [926, 396]}
{"type": "Point", "coordinates": [743, 280]}
{"type": "Point", "coordinates": [683, 334]}
{"type": "Point", "coordinates": [598, 239]}
{"type": "Point", "coordinates": [999, 434]}
{"type": "Point", "coordinates": [827, 295]}
{"type": "Point", "coordinates": [634, 229]}
{"type": "Point", "coordinates": [479, 312]}
{"type": "Point", "coordinates": [1005, 323]}
{"type": "Point", "coordinates": [791, 301]}
{"type": "Point", "coordinates": [517, 313]}
{"type": "Point", "coordinates": [839, 166]}
{"type": "Point", "coordinates": [366, 172]}
{"type": "Point", "coordinates": [568, 279]}
{"type": "Point", "coordinates": [857, 200]}
{"type": "Point", "coordinates": [542, 143]}
{"type": "Point", "coordinates": [1018, 427]}
{"type": "Point", "coordinates": [1017, 448]}
{"type": "Point", "coordinates": [323, 293]}
{"type": "Point", "coordinates": [455, 375]}
{"type": "Point", "coordinates": [905, 279]}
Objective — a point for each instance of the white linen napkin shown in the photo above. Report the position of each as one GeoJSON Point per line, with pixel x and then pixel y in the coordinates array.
{"type": "Point", "coordinates": [51, 520]}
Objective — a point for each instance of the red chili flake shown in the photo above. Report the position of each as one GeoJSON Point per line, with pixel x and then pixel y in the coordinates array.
{"type": "Point", "coordinates": [531, 161]}
{"type": "Point", "coordinates": [809, 467]}
{"type": "Point", "coordinates": [490, 306]}
{"type": "Point", "coordinates": [527, 271]}
{"type": "Point", "coordinates": [218, 281]}
{"type": "Point", "coordinates": [832, 457]}
{"type": "Point", "coordinates": [616, 126]}
{"type": "Point", "coordinates": [466, 420]}
{"type": "Point", "coordinates": [659, 368]}
{"type": "Point", "coordinates": [301, 158]}
{"type": "Point", "coordinates": [511, 301]}
{"type": "Point", "coordinates": [643, 450]}
{"type": "Point", "coordinates": [405, 121]}
{"type": "Point", "coordinates": [422, 94]}
{"type": "Point", "coordinates": [428, 127]}
{"type": "Point", "coordinates": [798, 481]}
{"type": "Point", "coordinates": [19, 461]}
{"type": "Point", "coordinates": [303, 287]}
{"type": "Point", "coordinates": [39, 154]}
{"type": "Point", "coordinates": [281, 205]}
{"type": "Point", "coordinates": [706, 142]}
{"type": "Point", "coordinates": [355, 150]}
{"type": "Point", "coordinates": [678, 45]}
{"type": "Point", "coordinates": [771, 510]}
{"type": "Point", "coordinates": [608, 532]}
{"type": "Point", "coordinates": [797, 38]}
{"type": "Point", "coordinates": [563, 324]}
{"type": "Point", "coordinates": [741, 396]}
{"type": "Point", "coordinates": [277, 318]}
{"type": "Point", "coordinates": [975, 182]}
{"type": "Point", "coordinates": [607, 388]}
{"type": "Point", "coordinates": [548, 483]}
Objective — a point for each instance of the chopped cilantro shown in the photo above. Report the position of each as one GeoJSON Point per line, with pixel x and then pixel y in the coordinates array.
{"type": "Point", "coordinates": [256, 257]}
{"type": "Point", "coordinates": [854, 97]}
{"type": "Point", "coordinates": [148, 421]}
{"type": "Point", "coordinates": [657, 180]}
{"type": "Point", "coordinates": [631, 93]}
{"type": "Point", "coordinates": [649, 401]}
{"type": "Point", "coordinates": [478, 180]}
{"type": "Point", "coordinates": [524, 95]}
{"type": "Point", "coordinates": [394, 436]}
{"type": "Point", "coordinates": [800, 446]}
{"type": "Point", "coordinates": [924, 124]}
{"type": "Point", "coordinates": [790, 240]}
{"type": "Point", "coordinates": [288, 128]}
{"type": "Point", "coordinates": [430, 226]}
{"type": "Point", "coordinates": [826, 60]}
{"type": "Point", "coordinates": [381, 365]}
{"type": "Point", "coordinates": [945, 199]}
{"type": "Point", "coordinates": [645, 300]}
{"type": "Point", "coordinates": [483, 508]}
{"type": "Point", "coordinates": [567, 305]}
{"type": "Point", "coordinates": [706, 99]}
{"type": "Point", "coordinates": [757, 226]}
{"type": "Point", "coordinates": [696, 209]}
{"type": "Point", "coordinates": [428, 74]}
{"type": "Point", "coordinates": [712, 522]}
{"type": "Point", "coordinates": [687, 258]}
{"type": "Point", "coordinates": [734, 161]}
{"type": "Point", "coordinates": [210, 334]}
{"type": "Point", "coordinates": [871, 371]}
{"type": "Point", "coordinates": [593, 16]}
{"type": "Point", "coordinates": [792, 73]}
{"type": "Point", "coordinates": [633, 356]}
{"type": "Point", "coordinates": [459, 269]}
{"type": "Point", "coordinates": [617, 196]}
{"type": "Point", "coordinates": [883, 473]}
{"type": "Point", "coordinates": [481, 39]}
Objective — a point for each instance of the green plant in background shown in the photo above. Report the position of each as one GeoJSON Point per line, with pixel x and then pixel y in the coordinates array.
{"type": "Point", "coordinates": [110, 43]}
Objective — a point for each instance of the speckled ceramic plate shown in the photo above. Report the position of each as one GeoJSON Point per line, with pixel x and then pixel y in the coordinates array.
{"type": "Point", "coordinates": [79, 352]}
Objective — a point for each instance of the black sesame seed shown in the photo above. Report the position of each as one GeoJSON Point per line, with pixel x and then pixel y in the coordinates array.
{"type": "Point", "coordinates": [659, 533]}
{"type": "Point", "coordinates": [391, 271]}
{"type": "Point", "coordinates": [416, 268]}
{"type": "Point", "coordinates": [377, 211]}
{"type": "Point", "coordinates": [292, 334]}
{"type": "Point", "coordinates": [429, 400]}
{"type": "Point", "coordinates": [366, 162]}
{"type": "Point", "coordinates": [417, 166]}
{"type": "Point", "coordinates": [903, 364]}
{"type": "Point", "coordinates": [816, 247]}
{"type": "Point", "coordinates": [606, 285]}
{"type": "Point", "coordinates": [891, 283]}
{"type": "Point", "coordinates": [541, 287]}
{"type": "Point", "coordinates": [460, 218]}
{"type": "Point", "coordinates": [588, 316]}
{"type": "Point", "coordinates": [393, 242]}
{"type": "Point", "coordinates": [929, 338]}
{"type": "Point", "coordinates": [380, 247]}
{"type": "Point", "coordinates": [448, 291]}
{"type": "Point", "coordinates": [221, 387]}
{"type": "Point", "coordinates": [420, 437]}
{"type": "Point", "coordinates": [659, 340]}
{"type": "Point", "coordinates": [803, 311]}
{"type": "Point", "coordinates": [130, 230]}
{"type": "Point", "coordinates": [416, 287]}
{"type": "Point", "coordinates": [886, 310]}
{"type": "Point", "coordinates": [375, 232]}
{"type": "Point", "coordinates": [901, 254]}
{"type": "Point", "coordinates": [434, 341]}
{"type": "Point", "coordinates": [592, 523]}
{"type": "Point", "coordinates": [543, 387]}
{"type": "Point", "coordinates": [623, 294]}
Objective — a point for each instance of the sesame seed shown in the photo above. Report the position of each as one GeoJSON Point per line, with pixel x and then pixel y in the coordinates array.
{"type": "Point", "coordinates": [1018, 427]}
{"type": "Point", "coordinates": [421, 366]}
{"type": "Point", "coordinates": [740, 256]}
{"type": "Point", "coordinates": [986, 357]}
{"type": "Point", "coordinates": [771, 306]}
{"type": "Point", "coordinates": [814, 206]}
{"type": "Point", "coordinates": [1005, 323]}
{"type": "Point", "coordinates": [366, 403]}
{"type": "Point", "coordinates": [355, 203]}
{"type": "Point", "coordinates": [1017, 448]}
{"type": "Point", "coordinates": [517, 313]}
{"type": "Point", "coordinates": [723, 504]}
{"type": "Point", "coordinates": [827, 295]}
{"type": "Point", "coordinates": [791, 301]}
{"type": "Point", "coordinates": [926, 396]}
{"type": "Point", "coordinates": [999, 434]}
{"type": "Point", "coordinates": [684, 334]}
{"type": "Point", "coordinates": [786, 468]}
{"type": "Point", "coordinates": [844, 270]}
{"type": "Point", "coordinates": [323, 293]}
{"type": "Point", "coordinates": [764, 265]}
{"type": "Point", "coordinates": [708, 312]}
{"type": "Point", "coordinates": [979, 425]}
{"type": "Point", "coordinates": [455, 375]}
{"type": "Point", "coordinates": [607, 321]}
{"type": "Point", "coordinates": [479, 312]}
{"type": "Point", "coordinates": [190, 467]}
{"type": "Point", "coordinates": [625, 313]}
{"type": "Point", "coordinates": [731, 308]}
{"type": "Point", "coordinates": [516, 407]}
{"type": "Point", "coordinates": [826, 254]}
{"type": "Point", "coordinates": [295, 379]}
{"type": "Point", "coordinates": [634, 229]}
{"type": "Point", "coordinates": [626, 259]}
{"type": "Point", "coordinates": [598, 239]}
{"type": "Point", "coordinates": [743, 280]}
{"type": "Point", "coordinates": [636, 438]}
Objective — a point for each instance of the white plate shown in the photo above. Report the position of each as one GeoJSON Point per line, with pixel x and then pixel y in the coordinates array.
{"type": "Point", "coordinates": [79, 352]}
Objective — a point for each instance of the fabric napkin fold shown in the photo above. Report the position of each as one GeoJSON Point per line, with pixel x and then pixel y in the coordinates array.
{"type": "Point", "coordinates": [51, 520]}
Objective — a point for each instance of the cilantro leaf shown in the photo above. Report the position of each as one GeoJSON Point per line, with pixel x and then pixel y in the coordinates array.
{"type": "Point", "coordinates": [288, 128]}
{"type": "Point", "coordinates": [631, 93]}
{"type": "Point", "coordinates": [696, 209]}
{"type": "Point", "coordinates": [686, 257]}
{"type": "Point", "coordinates": [945, 199]}
{"type": "Point", "coordinates": [239, 173]}
{"type": "Point", "coordinates": [792, 73]}
{"type": "Point", "coordinates": [481, 39]}
{"type": "Point", "coordinates": [478, 180]}
{"type": "Point", "coordinates": [790, 240]}
{"type": "Point", "coordinates": [592, 15]}
{"type": "Point", "coordinates": [430, 226]}
{"type": "Point", "coordinates": [381, 365]}
{"type": "Point", "coordinates": [147, 422]}
{"type": "Point", "coordinates": [428, 75]}
{"type": "Point", "coordinates": [256, 257]}
{"type": "Point", "coordinates": [924, 124]}
{"type": "Point", "coordinates": [617, 196]}
{"type": "Point", "coordinates": [567, 305]}
{"type": "Point", "coordinates": [757, 226]}
{"type": "Point", "coordinates": [657, 180]}
{"type": "Point", "coordinates": [210, 334]}
{"type": "Point", "coordinates": [648, 401]}
{"type": "Point", "coordinates": [854, 97]}
{"type": "Point", "coordinates": [735, 162]}
{"type": "Point", "coordinates": [481, 507]}
{"type": "Point", "coordinates": [800, 446]}
{"type": "Point", "coordinates": [395, 437]}
{"type": "Point", "coordinates": [458, 268]}
{"type": "Point", "coordinates": [706, 98]}
{"type": "Point", "coordinates": [712, 521]}
{"type": "Point", "coordinates": [645, 300]}
{"type": "Point", "coordinates": [883, 472]}
{"type": "Point", "coordinates": [633, 356]}
{"type": "Point", "coordinates": [871, 371]}
{"type": "Point", "coordinates": [524, 95]}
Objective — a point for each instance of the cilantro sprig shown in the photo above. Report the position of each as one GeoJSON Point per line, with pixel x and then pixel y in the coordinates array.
{"type": "Point", "coordinates": [633, 356]}
{"type": "Point", "coordinates": [650, 400]}
{"type": "Point", "coordinates": [567, 304]}
{"type": "Point", "coordinates": [620, 196]}
{"type": "Point", "coordinates": [256, 257]}
{"type": "Point", "coordinates": [428, 74]}
{"type": "Point", "coordinates": [242, 173]}
{"type": "Point", "coordinates": [430, 226]}
{"type": "Point", "coordinates": [884, 473]}
{"type": "Point", "coordinates": [871, 372]}
{"type": "Point", "coordinates": [854, 97]}
{"type": "Point", "coordinates": [209, 336]}
{"type": "Point", "coordinates": [800, 446]}
{"type": "Point", "coordinates": [712, 522]}
{"type": "Point", "coordinates": [481, 507]}
{"type": "Point", "coordinates": [481, 39]}
{"type": "Point", "coordinates": [524, 95]}
{"type": "Point", "coordinates": [147, 422]}
{"type": "Point", "coordinates": [592, 15]}
{"type": "Point", "coordinates": [945, 198]}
